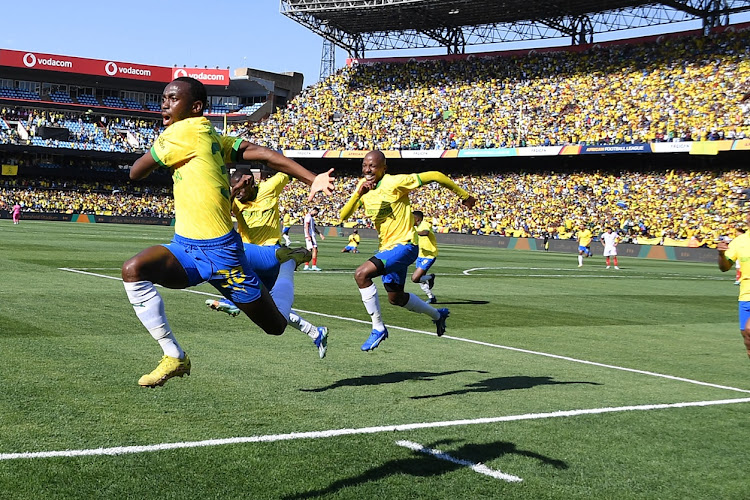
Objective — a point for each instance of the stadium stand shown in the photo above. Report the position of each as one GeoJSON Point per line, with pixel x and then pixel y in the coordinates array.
{"type": "Point", "coordinates": [681, 89]}
{"type": "Point", "coordinates": [685, 89]}
{"type": "Point", "coordinates": [666, 208]}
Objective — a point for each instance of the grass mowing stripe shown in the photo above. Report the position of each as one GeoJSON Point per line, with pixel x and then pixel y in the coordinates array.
{"type": "Point", "coordinates": [123, 450]}
{"type": "Point", "coordinates": [477, 342]}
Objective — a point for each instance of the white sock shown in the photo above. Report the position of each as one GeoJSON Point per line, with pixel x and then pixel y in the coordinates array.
{"type": "Point", "coordinates": [426, 289]}
{"type": "Point", "coordinates": [149, 307]}
{"type": "Point", "coordinates": [372, 305]}
{"type": "Point", "coordinates": [303, 325]}
{"type": "Point", "coordinates": [283, 290]}
{"type": "Point", "coordinates": [580, 260]}
{"type": "Point", "coordinates": [417, 305]}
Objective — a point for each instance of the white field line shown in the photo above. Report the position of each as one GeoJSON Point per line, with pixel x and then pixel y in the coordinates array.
{"type": "Point", "coordinates": [270, 438]}
{"type": "Point", "coordinates": [471, 341]}
{"type": "Point", "coordinates": [575, 273]}
{"type": "Point", "coordinates": [476, 467]}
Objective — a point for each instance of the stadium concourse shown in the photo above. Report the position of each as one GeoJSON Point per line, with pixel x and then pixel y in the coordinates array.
{"type": "Point", "coordinates": [679, 93]}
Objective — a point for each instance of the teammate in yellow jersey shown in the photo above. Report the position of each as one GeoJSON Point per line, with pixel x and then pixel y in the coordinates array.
{"type": "Point", "coordinates": [584, 244]}
{"type": "Point", "coordinates": [205, 246]}
{"type": "Point", "coordinates": [428, 252]}
{"type": "Point", "coordinates": [738, 250]}
{"type": "Point", "coordinates": [385, 199]}
{"type": "Point", "coordinates": [256, 207]}
{"type": "Point", "coordinates": [353, 245]}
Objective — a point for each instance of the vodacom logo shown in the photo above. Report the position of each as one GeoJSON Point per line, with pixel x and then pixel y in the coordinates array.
{"type": "Point", "coordinates": [179, 73]}
{"type": "Point", "coordinates": [29, 60]}
{"type": "Point", "coordinates": [110, 68]}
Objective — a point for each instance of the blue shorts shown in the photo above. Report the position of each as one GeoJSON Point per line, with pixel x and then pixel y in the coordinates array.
{"type": "Point", "coordinates": [285, 230]}
{"type": "Point", "coordinates": [263, 262]}
{"type": "Point", "coordinates": [744, 313]}
{"type": "Point", "coordinates": [584, 249]}
{"type": "Point", "coordinates": [221, 262]}
{"type": "Point", "coordinates": [425, 263]}
{"type": "Point", "coordinates": [396, 261]}
{"type": "Point", "coordinates": [350, 248]}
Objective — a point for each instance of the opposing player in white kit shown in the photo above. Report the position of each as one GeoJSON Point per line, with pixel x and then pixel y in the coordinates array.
{"type": "Point", "coordinates": [311, 231]}
{"type": "Point", "coordinates": [609, 239]}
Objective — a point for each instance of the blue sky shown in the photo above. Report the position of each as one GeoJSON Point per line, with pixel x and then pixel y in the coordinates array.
{"type": "Point", "coordinates": [220, 33]}
{"type": "Point", "coordinates": [166, 33]}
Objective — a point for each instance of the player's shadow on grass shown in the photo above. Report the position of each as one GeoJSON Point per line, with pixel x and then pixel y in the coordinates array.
{"type": "Point", "coordinates": [503, 384]}
{"type": "Point", "coordinates": [387, 378]}
{"type": "Point", "coordinates": [421, 465]}
{"type": "Point", "coordinates": [464, 302]}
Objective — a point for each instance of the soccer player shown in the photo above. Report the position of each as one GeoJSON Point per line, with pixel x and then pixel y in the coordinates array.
{"type": "Point", "coordinates": [285, 227]}
{"type": "Point", "coordinates": [205, 246]}
{"type": "Point", "coordinates": [584, 243]}
{"type": "Point", "coordinates": [16, 213]}
{"type": "Point", "coordinates": [609, 240]}
{"type": "Point", "coordinates": [311, 230]}
{"type": "Point", "coordinates": [353, 245]}
{"type": "Point", "coordinates": [385, 199]}
{"type": "Point", "coordinates": [257, 209]}
{"type": "Point", "coordinates": [738, 250]}
{"type": "Point", "coordinates": [427, 254]}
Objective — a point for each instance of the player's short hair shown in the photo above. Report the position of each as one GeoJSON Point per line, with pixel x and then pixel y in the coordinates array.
{"type": "Point", "coordinates": [239, 172]}
{"type": "Point", "coordinates": [418, 213]}
{"type": "Point", "coordinates": [197, 89]}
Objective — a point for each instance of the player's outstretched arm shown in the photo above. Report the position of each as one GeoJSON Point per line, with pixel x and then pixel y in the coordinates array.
{"type": "Point", "coordinates": [143, 166]}
{"type": "Point", "coordinates": [253, 152]}
{"type": "Point", "coordinates": [434, 176]}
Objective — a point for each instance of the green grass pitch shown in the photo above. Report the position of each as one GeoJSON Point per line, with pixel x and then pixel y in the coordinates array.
{"type": "Point", "coordinates": [551, 382]}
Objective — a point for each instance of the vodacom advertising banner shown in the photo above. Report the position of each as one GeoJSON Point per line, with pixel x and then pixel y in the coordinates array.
{"type": "Point", "coordinates": [205, 76]}
{"type": "Point", "coordinates": [115, 69]}
{"type": "Point", "coordinates": [83, 66]}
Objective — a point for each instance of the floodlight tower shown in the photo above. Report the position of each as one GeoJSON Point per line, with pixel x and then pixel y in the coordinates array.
{"type": "Point", "coordinates": [328, 59]}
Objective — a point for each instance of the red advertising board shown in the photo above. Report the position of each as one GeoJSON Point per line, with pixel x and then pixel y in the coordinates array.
{"type": "Point", "coordinates": [114, 69]}
{"type": "Point", "coordinates": [83, 66]}
{"type": "Point", "coordinates": [207, 76]}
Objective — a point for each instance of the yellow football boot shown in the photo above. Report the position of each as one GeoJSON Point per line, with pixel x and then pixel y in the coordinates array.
{"type": "Point", "coordinates": [168, 367]}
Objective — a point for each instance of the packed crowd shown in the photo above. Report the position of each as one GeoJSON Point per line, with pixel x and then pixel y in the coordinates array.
{"type": "Point", "coordinates": [681, 89]}
{"type": "Point", "coordinates": [684, 89]}
{"type": "Point", "coordinates": [86, 131]}
{"type": "Point", "coordinates": [86, 197]}
{"type": "Point", "coordinates": [642, 206]}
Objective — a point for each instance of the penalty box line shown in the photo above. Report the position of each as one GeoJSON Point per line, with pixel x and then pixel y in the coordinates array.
{"type": "Point", "coordinates": [270, 438]}
{"type": "Point", "coordinates": [471, 341]}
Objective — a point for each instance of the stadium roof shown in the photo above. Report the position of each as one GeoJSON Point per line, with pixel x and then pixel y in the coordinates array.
{"type": "Point", "coordinates": [359, 25]}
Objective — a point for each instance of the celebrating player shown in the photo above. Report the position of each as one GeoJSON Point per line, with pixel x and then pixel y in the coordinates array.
{"type": "Point", "coordinates": [353, 245]}
{"type": "Point", "coordinates": [385, 199]}
{"type": "Point", "coordinates": [427, 254]}
{"type": "Point", "coordinates": [584, 243]}
{"type": "Point", "coordinates": [256, 207]}
{"type": "Point", "coordinates": [738, 250]}
{"type": "Point", "coordinates": [205, 246]}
